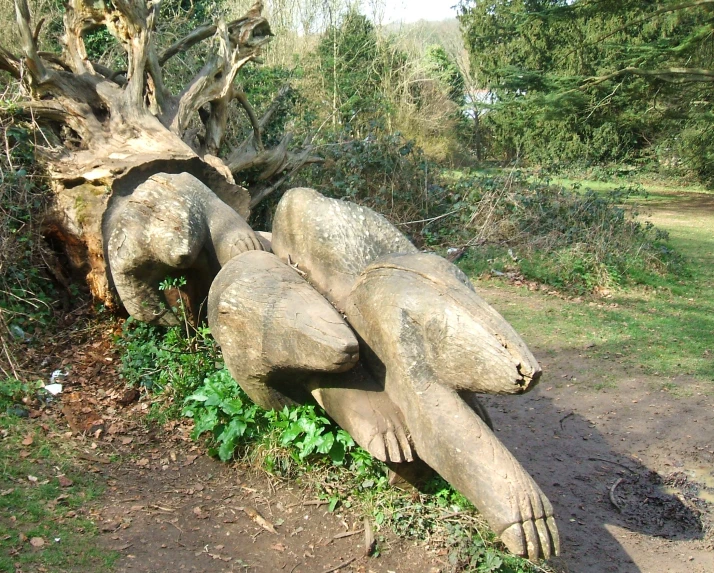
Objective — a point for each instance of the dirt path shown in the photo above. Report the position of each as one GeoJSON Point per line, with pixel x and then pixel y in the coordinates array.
{"type": "Point", "coordinates": [654, 449]}
{"type": "Point", "coordinates": [170, 509]}
{"type": "Point", "coordinates": [629, 467]}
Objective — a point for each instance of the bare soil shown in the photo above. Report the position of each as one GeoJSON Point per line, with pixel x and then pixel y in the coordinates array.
{"type": "Point", "coordinates": [629, 469]}
{"type": "Point", "coordinates": [170, 507]}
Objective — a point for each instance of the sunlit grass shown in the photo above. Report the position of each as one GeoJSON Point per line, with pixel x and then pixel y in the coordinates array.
{"type": "Point", "coordinates": [666, 330]}
{"type": "Point", "coordinates": [33, 504]}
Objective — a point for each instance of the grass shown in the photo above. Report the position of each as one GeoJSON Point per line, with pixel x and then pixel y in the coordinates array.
{"type": "Point", "coordinates": [650, 186]}
{"type": "Point", "coordinates": [42, 508]}
{"type": "Point", "coordinates": [665, 330]}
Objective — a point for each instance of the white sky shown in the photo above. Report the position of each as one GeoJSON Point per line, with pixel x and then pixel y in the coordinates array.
{"type": "Point", "coordinates": [406, 11]}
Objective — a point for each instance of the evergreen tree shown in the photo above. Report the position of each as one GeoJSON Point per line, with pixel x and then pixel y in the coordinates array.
{"type": "Point", "coordinates": [595, 80]}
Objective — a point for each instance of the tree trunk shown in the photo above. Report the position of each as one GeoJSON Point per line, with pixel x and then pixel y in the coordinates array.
{"type": "Point", "coordinates": [108, 131]}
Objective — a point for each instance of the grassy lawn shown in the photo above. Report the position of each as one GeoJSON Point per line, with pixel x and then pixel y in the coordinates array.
{"type": "Point", "coordinates": [44, 518]}
{"type": "Point", "coordinates": [667, 330]}
{"type": "Point", "coordinates": [651, 187]}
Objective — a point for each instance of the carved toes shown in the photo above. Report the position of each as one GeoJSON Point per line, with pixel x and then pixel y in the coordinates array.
{"type": "Point", "coordinates": [536, 536]}
{"type": "Point", "coordinates": [391, 446]}
{"type": "Point", "coordinates": [533, 539]}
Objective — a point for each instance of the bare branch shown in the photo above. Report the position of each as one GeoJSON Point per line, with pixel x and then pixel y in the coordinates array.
{"type": "Point", "coordinates": [236, 47]}
{"type": "Point", "coordinates": [245, 104]}
{"type": "Point", "coordinates": [268, 115]}
{"type": "Point", "coordinates": [672, 75]}
{"type": "Point", "coordinates": [55, 59]}
{"type": "Point", "coordinates": [246, 154]}
{"type": "Point", "coordinates": [206, 31]}
{"type": "Point", "coordinates": [9, 63]}
{"type": "Point", "coordinates": [198, 35]}
{"type": "Point", "coordinates": [294, 163]}
{"type": "Point", "coordinates": [29, 45]}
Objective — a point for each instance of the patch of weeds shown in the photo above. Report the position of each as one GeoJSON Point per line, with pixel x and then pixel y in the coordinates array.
{"type": "Point", "coordinates": [16, 395]}
{"type": "Point", "coordinates": [469, 551]}
{"type": "Point", "coordinates": [166, 362]}
{"type": "Point", "coordinates": [221, 409]}
{"type": "Point", "coordinates": [44, 498]}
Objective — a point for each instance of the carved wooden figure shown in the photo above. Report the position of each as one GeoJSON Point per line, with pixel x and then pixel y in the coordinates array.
{"type": "Point", "coordinates": [393, 343]}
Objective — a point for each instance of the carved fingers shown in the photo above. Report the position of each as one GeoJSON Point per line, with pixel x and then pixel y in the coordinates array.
{"type": "Point", "coordinates": [390, 443]}
{"type": "Point", "coordinates": [535, 534]}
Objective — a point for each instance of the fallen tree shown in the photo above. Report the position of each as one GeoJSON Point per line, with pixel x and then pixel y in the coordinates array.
{"type": "Point", "coordinates": [108, 130]}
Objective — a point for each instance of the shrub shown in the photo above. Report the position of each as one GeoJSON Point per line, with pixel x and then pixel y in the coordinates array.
{"type": "Point", "coordinates": [576, 239]}
{"type": "Point", "coordinates": [28, 295]}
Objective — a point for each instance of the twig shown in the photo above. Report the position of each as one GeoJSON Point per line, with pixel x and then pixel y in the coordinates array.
{"type": "Point", "coordinates": [430, 220]}
{"type": "Point", "coordinates": [613, 501]}
{"type": "Point", "coordinates": [565, 418]}
{"type": "Point", "coordinates": [178, 539]}
{"type": "Point", "coordinates": [295, 267]}
{"type": "Point", "coordinates": [91, 458]}
{"type": "Point", "coordinates": [450, 515]}
{"type": "Point", "coordinates": [317, 502]}
{"type": "Point", "coordinates": [340, 566]}
{"type": "Point", "coordinates": [612, 462]}
{"type": "Point", "coordinates": [160, 508]}
{"type": "Point", "coordinates": [176, 526]}
{"type": "Point", "coordinates": [348, 534]}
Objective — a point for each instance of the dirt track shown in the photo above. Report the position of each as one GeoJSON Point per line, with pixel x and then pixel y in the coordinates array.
{"type": "Point", "coordinates": [652, 450]}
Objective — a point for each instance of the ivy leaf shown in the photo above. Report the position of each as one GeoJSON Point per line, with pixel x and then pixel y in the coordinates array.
{"type": "Point", "coordinates": [232, 406]}
{"type": "Point", "coordinates": [337, 453]}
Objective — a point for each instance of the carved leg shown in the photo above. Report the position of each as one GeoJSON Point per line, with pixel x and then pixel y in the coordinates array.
{"type": "Point", "coordinates": [451, 438]}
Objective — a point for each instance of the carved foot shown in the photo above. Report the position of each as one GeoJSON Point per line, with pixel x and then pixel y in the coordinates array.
{"type": "Point", "coordinates": [362, 408]}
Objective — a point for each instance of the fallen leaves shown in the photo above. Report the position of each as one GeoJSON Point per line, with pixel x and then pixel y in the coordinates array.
{"type": "Point", "coordinates": [28, 441]}
{"type": "Point", "coordinates": [37, 542]}
{"type": "Point", "coordinates": [64, 481]}
{"type": "Point", "coordinates": [199, 513]}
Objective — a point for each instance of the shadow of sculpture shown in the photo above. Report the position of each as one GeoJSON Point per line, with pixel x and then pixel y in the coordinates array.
{"type": "Point", "coordinates": [596, 492]}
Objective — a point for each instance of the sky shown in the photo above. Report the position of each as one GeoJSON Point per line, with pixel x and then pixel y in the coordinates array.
{"type": "Point", "coordinates": [411, 11]}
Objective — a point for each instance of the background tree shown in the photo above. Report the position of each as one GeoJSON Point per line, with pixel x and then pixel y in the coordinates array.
{"type": "Point", "coordinates": [596, 80]}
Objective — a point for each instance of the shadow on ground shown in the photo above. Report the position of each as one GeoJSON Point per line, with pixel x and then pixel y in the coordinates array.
{"type": "Point", "coordinates": [617, 466]}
